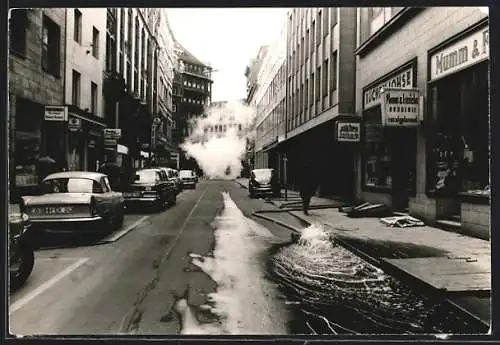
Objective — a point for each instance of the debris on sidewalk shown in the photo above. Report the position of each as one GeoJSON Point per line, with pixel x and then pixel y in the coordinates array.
{"type": "Point", "coordinates": [402, 221]}
{"type": "Point", "coordinates": [369, 210]}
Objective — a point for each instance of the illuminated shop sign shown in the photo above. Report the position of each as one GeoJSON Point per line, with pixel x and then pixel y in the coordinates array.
{"type": "Point", "coordinates": [400, 107]}
{"type": "Point", "coordinates": [462, 54]}
{"type": "Point", "coordinates": [403, 80]}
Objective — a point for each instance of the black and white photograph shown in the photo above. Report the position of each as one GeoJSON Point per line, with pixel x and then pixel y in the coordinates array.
{"type": "Point", "coordinates": [248, 171]}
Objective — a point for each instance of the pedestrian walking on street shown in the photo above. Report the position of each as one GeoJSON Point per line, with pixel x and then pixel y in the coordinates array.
{"type": "Point", "coordinates": [307, 183]}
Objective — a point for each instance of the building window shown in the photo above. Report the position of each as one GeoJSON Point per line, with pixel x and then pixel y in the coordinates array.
{"type": "Point", "coordinates": [95, 43]}
{"type": "Point", "coordinates": [313, 32]}
{"type": "Point", "coordinates": [458, 157]}
{"type": "Point", "coordinates": [333, 76]}
{"type": "Point", "coordinates": [110, 42]}
{"type": "Point", "coordinates": [137, 44]}
{"type": "Point", "coordinates": [318, 83]}
{"type": "Point", "coordinates": [326, 26]}
{"type": "Point", "coordinates": [93, 98]}
{"type": "Point", "coordinates": [75, 89]}
{"type": "Point", "coordinates": [318, 28]}
{"type": "Point", "coordinates": [77, 29]}
{"type": "Point", "coordinates": [129, 38]}
{"type": "Point", "coordinates": [51, 39]}
{"type": "Point", "coordinates": [325, 78]}
{"type": "Point", "coordinates": [18, 26]}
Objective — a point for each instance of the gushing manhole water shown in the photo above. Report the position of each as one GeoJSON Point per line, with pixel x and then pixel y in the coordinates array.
{"type": "Point", "coordinates": [333, 291]}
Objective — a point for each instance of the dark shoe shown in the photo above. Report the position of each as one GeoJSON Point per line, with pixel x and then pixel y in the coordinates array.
{"type": "Point", "coordinates": [306, 213]}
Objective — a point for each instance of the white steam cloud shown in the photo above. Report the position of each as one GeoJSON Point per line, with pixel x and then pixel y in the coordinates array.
{"type": "Point", "coordinates": [218, 140]}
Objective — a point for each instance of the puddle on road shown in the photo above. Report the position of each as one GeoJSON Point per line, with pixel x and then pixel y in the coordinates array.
{"type": "Point", "coordinates": [245, 302]}
{"type": "Point", "coordinates": [336, 292]}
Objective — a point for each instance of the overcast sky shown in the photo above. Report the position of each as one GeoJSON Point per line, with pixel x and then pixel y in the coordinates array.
{"type": "Point", "coordinates": [227, 38]}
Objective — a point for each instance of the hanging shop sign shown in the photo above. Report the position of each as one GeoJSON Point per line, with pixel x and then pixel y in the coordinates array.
{"type": "Point", "coordinates": [111, 136]}
{"type": "Point", "coordinates": [348, 132]}
{"type": "Point", "coordinates": [112, 133]}
{"type": "Point", "coordinates": [400, 107]}
{"type": "Point", "coordinates": [56, 113]}
{"type": "Point", "coordinates": [462, 54]}
{"type": "Point", "coordinates": [74, 124]}
{"type": "Point", "coordinates": [402, 80]}
{"type": "Point", "coordinates": [110, 143]}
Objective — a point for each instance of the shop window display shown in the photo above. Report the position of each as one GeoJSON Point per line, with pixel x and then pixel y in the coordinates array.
{"type": "Point", "coordinates": [459, 160]}
{"type": "Point", "coordinates": [377, 157]}
{"type": "Point", "coordinates": [389, 155]}
{"type": "Point", "coordinates": [28, 141]}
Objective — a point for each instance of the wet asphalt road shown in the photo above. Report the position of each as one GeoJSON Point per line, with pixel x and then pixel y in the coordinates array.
{"type": "Point", "coordinates": [131, 284]}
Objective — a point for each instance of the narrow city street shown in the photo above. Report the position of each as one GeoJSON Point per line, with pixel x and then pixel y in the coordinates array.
{"type": "Point", "coordinates": [159, 277]}
{"type": "Point", "coordinates": [310, 171]}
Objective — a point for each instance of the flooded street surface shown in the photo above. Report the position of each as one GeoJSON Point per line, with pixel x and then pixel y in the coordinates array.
{"type": "Point", "coordinates": [336, 292]}
{"type": "Point", "coordinates": [245, 302]}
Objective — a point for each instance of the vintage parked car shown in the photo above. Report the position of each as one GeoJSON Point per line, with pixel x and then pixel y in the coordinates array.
{"type": "Point", "coordinates": [150, 187]}
{"type": "Point", "coordinates": [75, 200]}
{"type": "Point", "coordinates": [263, 182]}
{"type": "Point", "coordinates": [173, 176]}
{"type": "Point", "coordinates": [188, 178]}
{"type": "Point", "coordinates": [21, 249]}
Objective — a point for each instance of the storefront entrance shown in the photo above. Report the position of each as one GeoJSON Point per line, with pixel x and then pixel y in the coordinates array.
{"type": "Point", "coordinates": [389, 159]}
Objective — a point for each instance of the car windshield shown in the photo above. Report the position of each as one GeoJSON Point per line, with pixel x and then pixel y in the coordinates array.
{"type": "Point", "coordinates": [146, 176]}
{"type": "Point", "coordinates": [263, 174]}
{"type": "Point", "coordinates": [186, 173]}
{"type": "Point", "coordinates": [68, 185]}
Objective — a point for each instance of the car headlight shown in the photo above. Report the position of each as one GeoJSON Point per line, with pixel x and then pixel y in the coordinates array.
{"type": "Point", "coordinates": [147, 189]}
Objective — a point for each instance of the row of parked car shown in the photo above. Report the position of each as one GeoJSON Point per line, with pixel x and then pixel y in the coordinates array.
{"type": "Point", "coordinates": [84, 201]}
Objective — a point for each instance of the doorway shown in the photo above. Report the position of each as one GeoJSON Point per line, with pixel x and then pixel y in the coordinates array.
{"type": "Point", "coordinates": [403, 142]}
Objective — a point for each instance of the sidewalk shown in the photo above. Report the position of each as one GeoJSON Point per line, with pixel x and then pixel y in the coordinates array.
{"type": "Point", "coordinates": [444, 261]}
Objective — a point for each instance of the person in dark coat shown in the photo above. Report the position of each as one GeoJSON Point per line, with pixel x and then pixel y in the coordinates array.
{"type": "Point", "coordinates": [307, 183]}
{"type": "Point", "coordinates": [112, 169]}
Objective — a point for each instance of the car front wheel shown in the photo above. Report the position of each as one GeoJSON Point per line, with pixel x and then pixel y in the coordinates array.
{"type": "Point", "coordinates": [21, 267]}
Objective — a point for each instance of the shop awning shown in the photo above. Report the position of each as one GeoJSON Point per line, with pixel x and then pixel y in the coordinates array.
{"type": "Point", "coordinates": [122, 149]}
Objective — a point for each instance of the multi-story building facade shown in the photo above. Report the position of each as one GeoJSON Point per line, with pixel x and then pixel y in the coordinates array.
{"type": "Point", "coordinates": [167, 60]}
{"type": "Point", "coordinates": [36, 79]}
{"type": "Point", "coordinates": [435, 163]}
{"type": "Point", "coordinates": [131, 82]}
{"type": "Point", "coordinates": [192, 92]}
{"type": "Point", "coordinates": [321, 98]}
{"type": "Point", "coordinates": [271, 106]}
{"type": "Point", "coordinates": [252, 73]}
{"type": "Point", "coordinates": [84, 65]}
